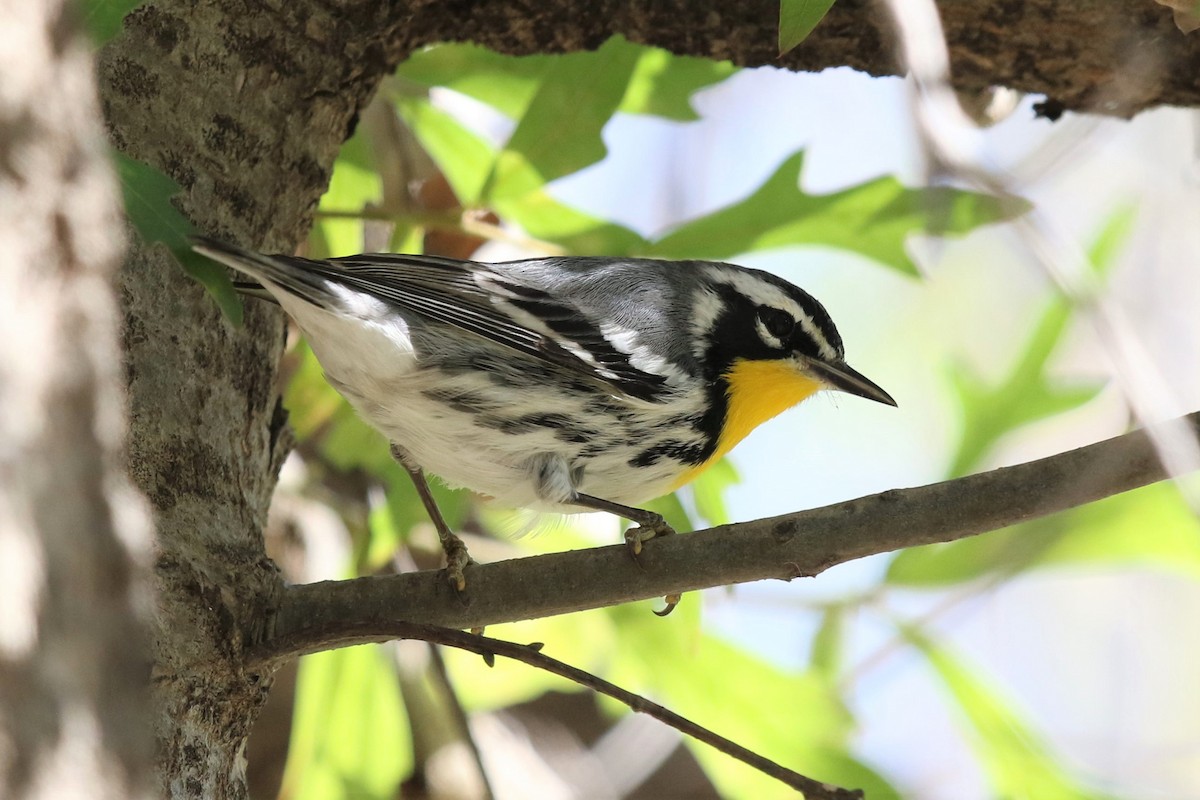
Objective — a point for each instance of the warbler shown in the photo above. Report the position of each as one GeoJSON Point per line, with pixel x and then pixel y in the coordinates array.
{"type": "Point", "coordinates": [561, 383]}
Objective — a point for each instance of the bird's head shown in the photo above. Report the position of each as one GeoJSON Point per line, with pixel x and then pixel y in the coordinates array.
{"type": "Point", "coordinates": [771, 343]}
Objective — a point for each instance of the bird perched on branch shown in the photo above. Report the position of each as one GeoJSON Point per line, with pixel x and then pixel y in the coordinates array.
{"type": "Point", "coordinates": [562, 383]}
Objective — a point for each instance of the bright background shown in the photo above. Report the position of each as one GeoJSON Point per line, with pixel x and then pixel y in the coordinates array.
{"type": "Point", "coordinates": [1064, 673]}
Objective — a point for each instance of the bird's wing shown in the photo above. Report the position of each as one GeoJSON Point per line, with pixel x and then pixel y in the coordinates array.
{"type": "Point", "coordinates": [475, 298]}
{"type": "Point", "coordinates": [467, 295]}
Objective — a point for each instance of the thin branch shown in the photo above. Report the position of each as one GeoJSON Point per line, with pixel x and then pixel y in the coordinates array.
{"type": "Point", "coordinates": [531, 654]}
{"type": "Point", "coordinates": [331, 614]}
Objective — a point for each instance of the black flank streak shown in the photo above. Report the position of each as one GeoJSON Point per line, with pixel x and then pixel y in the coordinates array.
{"type": "Point", "coordinates": [691, 453]}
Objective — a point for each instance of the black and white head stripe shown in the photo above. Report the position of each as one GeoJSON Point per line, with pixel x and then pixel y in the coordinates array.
{"type": "Point", "coordinates": [774, 298]}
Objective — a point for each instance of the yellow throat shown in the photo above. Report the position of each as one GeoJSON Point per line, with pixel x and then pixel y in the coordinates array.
{"type": "Point", "coordinates": [758, 391]}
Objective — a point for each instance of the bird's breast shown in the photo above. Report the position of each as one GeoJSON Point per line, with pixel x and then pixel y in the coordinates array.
{"type": "Point", "coordinates": [756, 392]}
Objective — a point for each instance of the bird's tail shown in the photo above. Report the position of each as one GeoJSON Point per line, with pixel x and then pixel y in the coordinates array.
{"type": "Point", "coordinates": [289, 273]}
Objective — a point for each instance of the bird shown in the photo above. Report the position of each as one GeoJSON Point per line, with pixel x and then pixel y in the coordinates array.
{"type": "Point", "coordinates": [562, 383]}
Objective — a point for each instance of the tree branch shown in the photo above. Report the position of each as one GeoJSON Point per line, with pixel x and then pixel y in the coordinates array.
{"type": "Point", "coordinates": [323, 616]}
{"type": "Point", "coordinates": [531, 654]}
{"type": "Point", "coordinates": [1089, 55]}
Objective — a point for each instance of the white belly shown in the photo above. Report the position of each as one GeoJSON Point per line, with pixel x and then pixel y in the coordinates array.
{"type": "Point", "coordinates": [530, 446]}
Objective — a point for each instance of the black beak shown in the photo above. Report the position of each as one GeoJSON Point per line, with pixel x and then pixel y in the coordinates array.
{"type": "Point", "coordinates": [839, 375]}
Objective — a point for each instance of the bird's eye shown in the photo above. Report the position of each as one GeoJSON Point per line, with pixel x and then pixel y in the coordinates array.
{"type": "Point", "coordinates": [778, 323]}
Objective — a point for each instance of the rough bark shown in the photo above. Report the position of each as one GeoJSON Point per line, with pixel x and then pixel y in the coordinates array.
{"type": "Point", "coordinates": [74, 536]}
{"type": "Point", "coordinates": [245, 106]}
{"type": "Point", "coordinates": [1105, 56]}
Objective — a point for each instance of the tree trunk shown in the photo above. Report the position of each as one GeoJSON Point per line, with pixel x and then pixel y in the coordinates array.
{"type": "Point", "coordinates": [244, 107]}
{"type": "Point", "coordinates": [74, 535]}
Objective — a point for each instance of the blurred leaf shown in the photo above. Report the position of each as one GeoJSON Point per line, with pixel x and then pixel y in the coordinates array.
{"type": "Point", "coordinates": [1148, 527]}
{"type": "Point", "coordinates": [506, 83]}
{"type": "Point", "coordinates": [797, 19]}
{"type": "Point", "coordinates": [1027, 394]}
{"type": "Point", "coordinates": [466, 160]}
{"type": "Point", "coordinates": [585, 640]}
{"type": "Point", "coordinates": [350, 735]}
{"type": "Point", "coordinates": [829, 642]}
{"type": "Point", "coordinates": [1024, 396]}
{"type": "Point", "coordinates": [1112, 238]}
{"type": "Point", "coordinates": [310, 400]}
{"type": "Point", "coordinates": [672, 511]}
{"type": "Point", "coordinates": [462, 156]}
{"type": "Point", "coordinates": [545, 218]}
{"type": "Point", "coordinates": [148, 194]}
{"type": "Point", "coordinates": [103, 18]}
{"type": "Point", "coordinates": [407, 239]}
{"type": "Point", "coordinates": [796, 719]}
{"type": "Point", "coordinates": [354, 185]}
{"type": "Point", "coordinates": [662, 84]}
{"type": "Point", "coordinates": [708, 491]}
{"type": "Point", "coordinates": [873, 219]}
{"type": "Point", "coordinates": [1018, 763]}
{"type": "Point", "coordinates": [390, 524]}
{"type": "Point", "coordinates": [559, 133]}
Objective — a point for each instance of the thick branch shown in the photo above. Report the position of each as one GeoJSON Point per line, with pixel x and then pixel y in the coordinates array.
{"type": "Point", "coordinates": [1096, 55]}
{"type": "Point", "coordinates": [322, 616]}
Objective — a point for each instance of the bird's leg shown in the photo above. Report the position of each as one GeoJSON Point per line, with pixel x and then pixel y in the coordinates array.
{"type": "Point", "coordinates": [649, 524]}
{"type": "Point", "coordinates": [457, 557]}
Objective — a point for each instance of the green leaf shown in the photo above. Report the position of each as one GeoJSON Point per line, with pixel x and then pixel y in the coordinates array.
{"type": "Point", "coordinates": [672, 511]}
{"type": "Point", "coordinates": [829, 643]}
{"type": "Point", "coordinates": [797, 19]}
{"type": "Point", "coordinates": [103, 18]}
{"type": "Point", "coordinates": [506, 83]}
{"type": "Point", "coordinates": [148, 194]}
{"type": "Point", "coordinates": [1024, 396]}
{"type": "Point", "coordinates": [1027, 394]}
{"type": "Point", "coordinates": [350, 735]}
{"type": "Point", "coordinates": [873, 218]}
{"type": "Point", "coordinates": [466, 160]}
{"type": "Point", "coordinates": [353, 186]}
{"type": "Point", "coordinates": [1149, 527]}
{"type": "Point", "coordinates": [463, 157]}
{"type": "Point", "coordinates": [585, 640]}
{"type": "Point", "coordinates": [708, 491]}
{"type": "Point", "coordinates": [559, 133]}
{"type": "Point", "coordinates": [662, 83]}
{"type": "Point", "coordinates": [390, 525]}
{"type": "Point", "coordinates": [545, 218]}
{"type": "Point", "coordinates": [1111, 240]}
{"type": "Point", "coordinates": [794, 718]}
{"type": "Point", "coordinates": [1017, 762]}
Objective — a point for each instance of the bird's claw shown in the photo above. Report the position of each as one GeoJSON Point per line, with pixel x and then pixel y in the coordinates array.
{"type": "Point", "coordinates": [457, 560]}
{"type": "Point", "coordinates": [671, 601]}
{"type": "Point", "coordinates": [643, 532]}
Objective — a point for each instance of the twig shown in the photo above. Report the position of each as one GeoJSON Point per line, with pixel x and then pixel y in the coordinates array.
{"type": "Point", "coordinates": [531, 654]}
{"type": "Point", "coordinates": [462, 222]}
